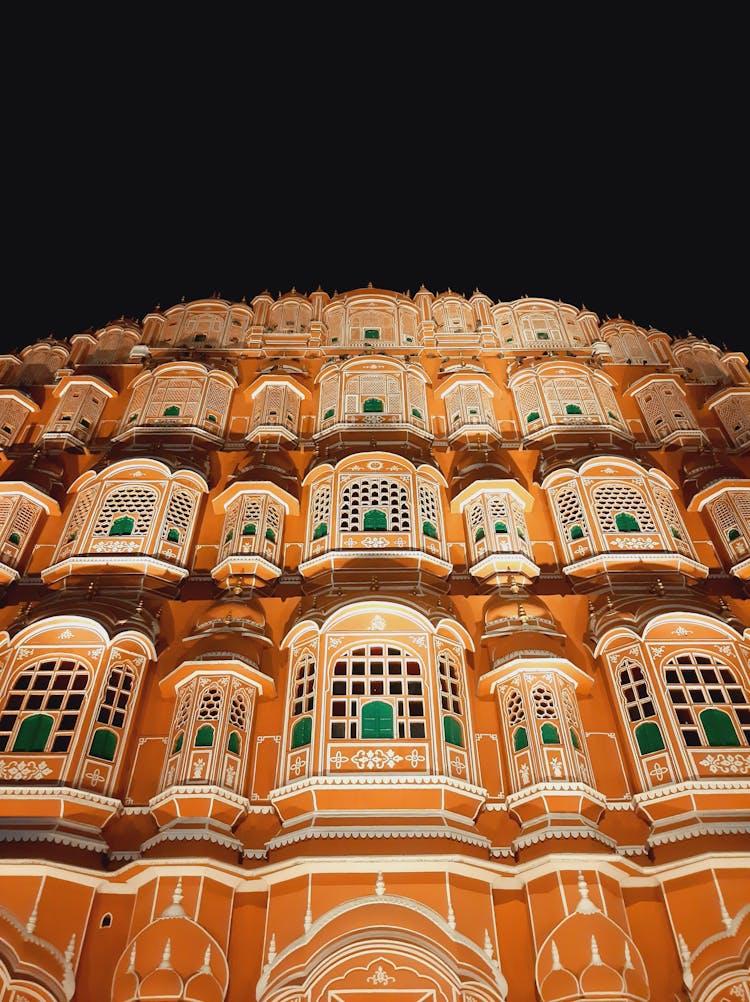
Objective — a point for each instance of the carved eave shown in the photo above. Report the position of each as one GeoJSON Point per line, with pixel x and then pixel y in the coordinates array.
{"type": "Point", "coordinates": [74, 379]}
{"type": "Point", "coordinates": [578, 434]}
{"type": "Point", "coordinates": [373, 560]}
{"type": "Point", "coordinates": [168, 431]}
{"type": "Point", "coordinates": [496, 567]}
{"type": "Point", "coordinates": [245, 567]}
{"type": "Point", "coordinates": [26, 490]}
{"type": "Point", "coordinates": [716, 489]}
{"type": "Point", "coordinates": [479, 487]}
{"type": "Point", "coordinates": [239, 487]}
{"type": "Point", "coordinates": [8, 393]}
{"type": "Point", "coordinates": [502, 673]}
{"type": "Point", "coordinates": [240, 669]}
{"type": "Point", "coordinates": [124, 564]}
{"type": "Point", "coordinates": [660, 560]}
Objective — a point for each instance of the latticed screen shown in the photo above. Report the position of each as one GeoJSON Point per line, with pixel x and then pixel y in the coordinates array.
{"type": "Point", "coordinates": [541, 327]}
{"type": "Point", "coordinates": [238, 711]}
{"type": "Point", "coordinates": [303, 693]}
{"type": "Point", "coordinates": [210, 703]}
{"type": "Point", "coordinates": [449, 674]}
{"type": "Point", "coordinates": [329, 393]}
{"type": "Point", "coordinates": [360, 499]}
{"type": "Point", "coordinates": [735, 416]}
{"type": "Point", "coordinates": [672, 518]}
{"type": "Point", "coordinates": [544, 704]}
{"type": "Point", "coordinates": [80, 513]}
{"type": "Point", "coordinates": [114, 705]}
{"type": "Point", "coordinates": [43, 705]}
{"type": "Point", "coordinates": [621, 508]}
{"type": "Point", "coordinates": [134, 503]}
{"type": "Point", "coordinates": [11, 416]}
{"type": "Point", "coordinates": [377, 674]}
{"type": "Point", "coordinates": [710, 705]}
{"type": "Point", "coordinates": [429, 508]}
{"type": "Point", "coordinates": [373, 320]}
{"type": "Point", "coordinates": [515, 708]}
{"type": "Point", "coordinates": [175, 397]}
{"type": "Point", "coordinates": [321, 511]}
{"type": "Point", "coordinates": [528, 403]}
{"type": "Point", "coordinates": [569, 398]}
{"type": "Point", "coordinates": [179, 515]}
{"type": "Point", "coordinates": [635, 692]}
{"type": "Point", "coordinates": [359, 389]}
{"type": "Point", "coordinates": [570, 513]}
{"type": "Point", "coordinates": [216, 403]}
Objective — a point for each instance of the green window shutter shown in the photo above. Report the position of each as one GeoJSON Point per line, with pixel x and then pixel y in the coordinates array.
{"type": "Point", "coordinates": [532, 416]}
{"type": "Point", "coordinates": [675, 533]}
{"type": "Point", "coordinates": [171, 411]}
{"type": "Point", "coordinates": [33, 733]}
{"type": "Point", "coordinates": [520, 739]}
{"type": "Point", "coordinates": [233, 745]}
{"type": "Point", "coordinates": [626, 522]}
{"type": "Point", "coordinates": [733, 534]}
{"type": "Point", "coordinates": [576, 532]}
{"type": "Point", "coordinates": [416, 413]}
{"type": "Point", "coordinates": [479, 534]}
{"type": "Point", "coordinates": [320, 531]}
{"type": "Point", "coordinates": [372, 405]}
{"type": "Point", "coordinates": [173, 536]}
{"type": "Point", "coordinates": [649, 738]}
{"type": "Point", "coordinates": [103, 745]}
{"type": "Point", "coordinates": [328, 414]}
{"type": "Point", "coordinates": [205, 737]}
{"type": "Point", "coordinates": [375, 520]}
{"type": "Point", "coordinates": [377, 720]}
{"type": "Point", "coordinates": [122, 526]}
{"type": "Point", "coordinates": [302, 733]}
{"type": "Point", "coordinates": [719, 729]}
{"type": "Point", "coordinates": [572, 409]}
{"type": "Point", "coordinates": [542, 336]}
{"type": "Point", "coordinates": [212, 418]}
{"type": "Point", "coordinates": [429, 530]}
{"type": "Point", "coordinates": [178, 743]}
{"type": "Point", "coordinates": [271, 535]}
{"type": "Point", "coordinates": [501, 527]}
{"type": "Point", "coordinates": [452, 731]}
{"type": "Point", "coordinates": [550, 734]}
{"type": "Point", "coordinates": [372, 334]}
{"type": "Point", "coordinates": [229, 535]}
{"type": "Point", "coordinates": [249, 529]}
{"type": "Point", "coordinates": [14, 538]}
{"type": "Point", "coordinates": [574, 739]}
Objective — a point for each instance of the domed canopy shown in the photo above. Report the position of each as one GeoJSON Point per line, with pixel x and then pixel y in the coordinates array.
{"type": "Point", "coordinates": [520, 622]}
{"type": "Point", "coordinates": [473, 466]}
{"type": "Point", "coordinates": [270, 465]}
{"type": "Point", "coordinates": [702, 469]}
{"type": "Point", "coordinates": [230, 614]}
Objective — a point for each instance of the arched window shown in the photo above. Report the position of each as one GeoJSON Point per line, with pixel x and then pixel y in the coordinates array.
{"type": "Point", "coordinates": [452, 732]}
{"type": "Point", "coordinates": [303, 688]}
{"type": "Point", "coordinates": [112, 711]}
{"type": "Point", "coordinates": [103, 744]}
{"type": "Point", "coordinates": [649, 738]}
{"type": "Point", "coordinates": [126, 511]}
{"type": "Point", "coordinates": [302, 733]}
{"type": "Point", "coordinates": [710, 705]}
{"type": "Point", "coordinates": [54, 690]}
{"type": "Point", "coordinates": [550, 734]}
{"type": "Point", "coordinates": [377, 675]}
{"type": "Point", "coordinates": [621, 508]}
{"type": "Point", "coordinates": [570, 513]}
{"type": "Point", "coordinates": [389, 498]}
{"type": "Point", "coordinates": [204, 736]}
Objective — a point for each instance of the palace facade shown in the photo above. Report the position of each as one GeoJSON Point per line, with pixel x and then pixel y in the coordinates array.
{"type": "Point", "coordinates": [374, 646]}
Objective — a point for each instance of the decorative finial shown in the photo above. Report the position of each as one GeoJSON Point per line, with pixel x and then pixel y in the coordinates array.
{"type": "Point", "coordinates": [380, 885]}
{"type": "Point", "coordinates": [70, 950]}
{"type": "Point", "coordinates": [166, 957]}
{"type": "Point", "coordinates": [487, 946]}
{"type": "Point", "coordinates": [175, 910]}
{"type": "Point", "coordinates": [556, 965]}
{"type": "Point", "coordinates": [272, 949]}
{"type": "Point", "coordinates": [451, 913]}
{"type": "Point", "coordinates": [687, 974]}
{"type": "Point", "coordinates": [726, 918]}
{"type": "Point", "coordinates": [308, 912]}
{"type": "Point", "coordinates": [596, 959]}
{"type": "Point", "coordinates": [628, 962]}
{"type": "Point", "coordinates": [585, 906]}
{"type": "Point", "coordinates": [206, 968]}
{"type": "Point", "coordinates": [131, 965]}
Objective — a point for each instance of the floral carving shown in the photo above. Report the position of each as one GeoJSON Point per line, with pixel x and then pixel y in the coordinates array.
{"type": "Point", "coordinates": [735, 764]}
{"type": "Point", "coordinates": [24, 770]}
{"type": "Point", "coordinates": [376, 759]}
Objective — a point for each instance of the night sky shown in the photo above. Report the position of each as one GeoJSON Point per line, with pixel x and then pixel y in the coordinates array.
{"type": "Point", "coordinates": [609, 175]}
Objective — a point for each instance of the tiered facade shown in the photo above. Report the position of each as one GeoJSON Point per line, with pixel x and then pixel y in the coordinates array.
{"type": "Point", "coordinates": [374, 646]}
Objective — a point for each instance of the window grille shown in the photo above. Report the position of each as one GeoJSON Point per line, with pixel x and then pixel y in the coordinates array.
{"type": "Point", "coordinates": [179, 514]}
{"type": "Point", "coordinates": [217, 400]}
{"type": "Point", "coordinates": [183, 712]}
{"type": "Point", "coordinates": [416, 395]}
{"type": "Point", "coordinates": [570, 513]}
{"type": "Point", "coordinates": [360, 496]}
{"type": "Point", "coordinates": [609, 402]}
{"type": "Point", "coordinates": [429, 507]}
{"type": "Point", "coordinates": [611, 499]}
{"type": "Point", "coordinates": [11, 418]}
{"type": "Point", "coordinates": [238, 711]}
{"type": "Point", "coordinates": [139, 503]}
{"type": "Point", "coordinates": [210, 704]}
{"type": "Point", "coordinates": [635, 692]}
{"type": "Point", "coordinates": [55, 689]}
{"type": "Point", "coordinates": [697, 682]}
{"type": "Point", "coordinates": [303, 694]}
{"type": "Point", "coordinates": [561, 394]}
{"type": "Point", "coordinates": [515, 708]}
{"type": "Point", "coordinates": [527, 401]}
{"type": "Point", "coordinates": [329, 392]}
{"type": "Point", "coordinates": [541, 328]}
{"type": "Point", "coordinates": [544, 703]}
{"type": "Point", "coordinates": [727, 520]}
{"type": "Point", "coordinates": [386, 674]}
{"type": "Point", "coordinates": [321, 509]}
{"type": "Point", "coordinates": [114, 704]}
{"type": "Point", "coordinates": [734, 414]}
{"type": "Point", "coordinates": [449, 676]}
{"type": "Point", "coordinates": [678, 535]}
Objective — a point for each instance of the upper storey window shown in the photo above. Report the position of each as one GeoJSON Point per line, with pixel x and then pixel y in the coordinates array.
{"type": "Point", "coordinates": [375, 503]}
{"type": "Point", "coordinates": [728, 507]}
{"type": "Point", "coordinates": [701, 361]}
{"type": "Point", "coordinates": [178, 395]}
{"type": "Point", "coordinates": [77, 414]}
{"type": "Point", "coordinates": [628, 343]}
{"type": "Point", "coordinates": [113, 346]}
{"type": "Point", "coordinates": [382, 393]}
{"type": "Point", "coordinates": [15, 407]}
{"type": "Point", "coordinates": [20, 509]}
{"type": "Point", "coordinates": [276, 409]}
{"type": "Point", "coordinates": [290, 315]}
{"type": "Point", "coordinates": [666, 410]}
{"type": "Point", "coordinates": [453, 315]}
{"type": "Point", "coordinates": [371, 320]}
{"type": "Point", "coordinates": [542, 325]}
{"type": "Point", "coordinates": [202, 325]}
{"type": "Point", "coordinates": [708, 701]}
{"type": "Point", "coordinates": [614, 514]}
{"type": "Point", "coordinates": [732, 407]}
{"type": "Point", "coordinates": [132, 518]}
{"type": "Point", "coordinates": [554, 398]}
{"type": "Point", "coordinates": [470, 416]}
{"type": "Point", "coordinates": [40, 364]}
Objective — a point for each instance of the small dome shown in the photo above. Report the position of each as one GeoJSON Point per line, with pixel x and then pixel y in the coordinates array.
{"type": "Point", "coordinates": [702, 469]}
{"type": "Point", "coordinates": [521, 623]}
{"type": "Point", "coordinates": [41, 471]}
{"type": "Point", "coordinates": [274, 465]}
{"type": "Point", "coordinates": [233, 614]}
{"type": "Point", "coordinates": [473, 466]}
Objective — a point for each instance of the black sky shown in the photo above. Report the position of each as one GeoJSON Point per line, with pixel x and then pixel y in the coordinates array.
{"type": "Point", "coordinates": [155, 163]}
